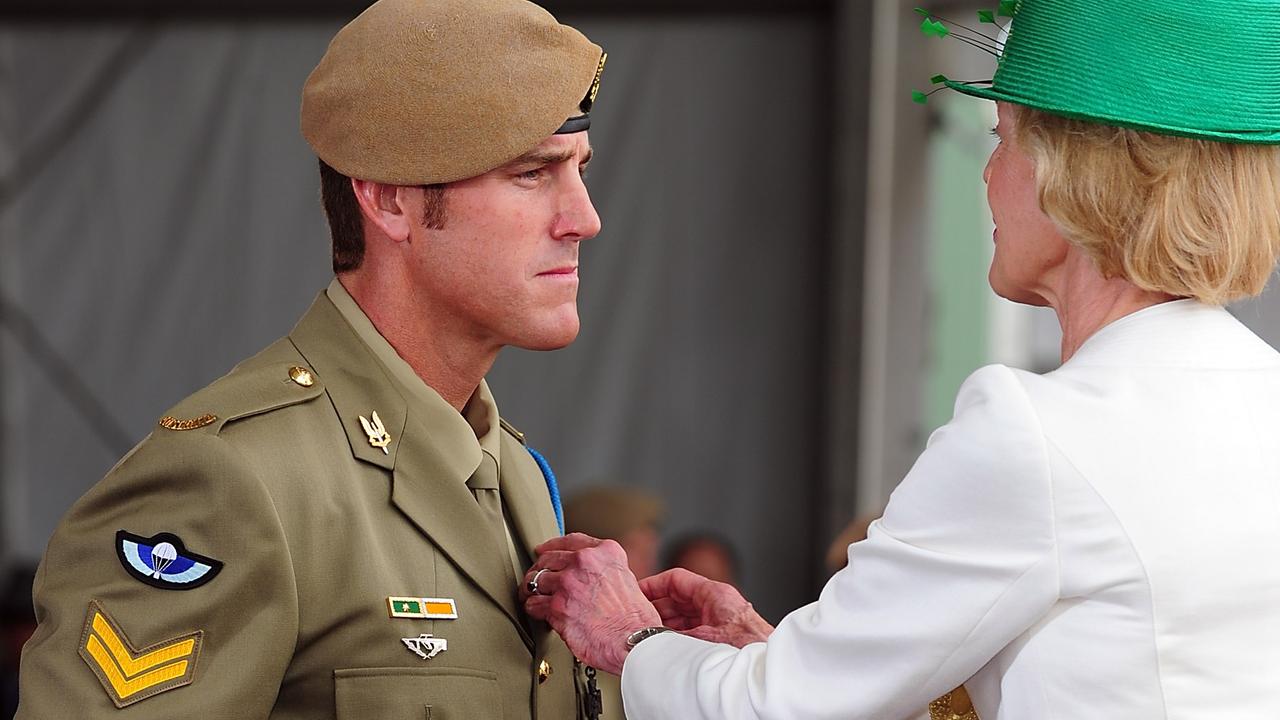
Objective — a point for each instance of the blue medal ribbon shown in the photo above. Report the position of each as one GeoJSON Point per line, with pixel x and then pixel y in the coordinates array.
{"type": "Point", "coordinates": [552, 488]}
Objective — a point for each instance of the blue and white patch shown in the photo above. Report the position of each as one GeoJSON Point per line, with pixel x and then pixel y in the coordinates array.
{"type": "Point", "coordinates": [163, 561]}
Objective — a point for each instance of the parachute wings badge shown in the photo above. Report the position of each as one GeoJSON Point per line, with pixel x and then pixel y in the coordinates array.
{"type": "Point", "coordinates": [163, 561]}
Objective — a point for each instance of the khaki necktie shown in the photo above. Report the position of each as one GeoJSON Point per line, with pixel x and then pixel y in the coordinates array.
{"type": "Point", "coordinates": [484, 486]}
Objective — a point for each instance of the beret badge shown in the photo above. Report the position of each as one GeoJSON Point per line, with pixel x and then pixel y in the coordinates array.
{"type": "Point", "coordinates": [590, 100]}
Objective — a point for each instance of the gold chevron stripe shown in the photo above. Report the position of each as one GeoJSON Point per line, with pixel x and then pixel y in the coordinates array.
{"type": "Point", "coordinates": [130, 675]}
{"type": "Point", "coordinates": [124, 688]}
{"type": "Point", "coordinates": [133, 665]}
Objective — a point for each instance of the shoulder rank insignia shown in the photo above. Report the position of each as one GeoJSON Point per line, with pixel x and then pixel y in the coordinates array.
{"type": "Point", "coordinates": [378, 435]}
{"type": "Point", "coordinates": [163, 561]}
{"type": "Point", "coordinates": [129, 674]}
{"type": "Point", "coordinates": [170, 422]}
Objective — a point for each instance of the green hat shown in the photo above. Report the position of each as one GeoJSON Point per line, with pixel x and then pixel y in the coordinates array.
{"type": "Point", "coordinates": [1205, 69]}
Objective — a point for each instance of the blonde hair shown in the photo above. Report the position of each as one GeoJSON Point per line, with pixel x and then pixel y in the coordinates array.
{"type": "Point", "coordinates": [1192, 218]}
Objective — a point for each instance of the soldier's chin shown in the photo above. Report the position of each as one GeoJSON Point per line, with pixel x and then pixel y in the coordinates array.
{"type": "Point", "coordinates": [552, 336]}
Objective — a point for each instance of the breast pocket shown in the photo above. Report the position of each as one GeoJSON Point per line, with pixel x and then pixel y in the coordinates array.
{"type": "Point", "coordinates": [416, 694]}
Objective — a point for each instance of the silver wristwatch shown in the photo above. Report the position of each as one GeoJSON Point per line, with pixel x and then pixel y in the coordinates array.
{"type": "Point", "coordinates": [643, 634]}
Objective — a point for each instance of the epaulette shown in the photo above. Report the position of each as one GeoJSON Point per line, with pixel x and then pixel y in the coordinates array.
{"type": "Point", "coordinates": [512, 430]}
{"type": "Point", "coordinates": [243, 392]}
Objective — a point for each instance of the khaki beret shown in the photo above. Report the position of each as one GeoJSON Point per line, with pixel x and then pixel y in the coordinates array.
{"type": "Point", "coordinates": [416, 92]}
{"type": "Point", "coordinates": [611, 512]}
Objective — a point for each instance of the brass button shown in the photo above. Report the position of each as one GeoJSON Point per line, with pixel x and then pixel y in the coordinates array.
{"type": "Point", "coordinates": [302, 376]}
{"type": "Point", "coordinates": [544, 671]}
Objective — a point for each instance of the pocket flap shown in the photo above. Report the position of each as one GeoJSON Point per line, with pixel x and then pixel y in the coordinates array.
{"type": "Point", "coordinates": [438, 693]}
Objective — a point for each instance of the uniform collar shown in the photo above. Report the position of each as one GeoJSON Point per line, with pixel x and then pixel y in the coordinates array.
{"type": "Point", "coordinates": [459, 439]}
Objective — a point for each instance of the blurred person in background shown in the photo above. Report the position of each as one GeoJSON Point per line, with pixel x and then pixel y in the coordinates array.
{"type": "Point", "coordinates": [17, 623]}
{"type": "Point", "coordinates": [630, 517]}
{"type": "Point", "coordinates": [336, 529]}
{"type": "Point", "coordinates": [705, 553]}
{"type": "Point", "coordinates": [1096, 542]}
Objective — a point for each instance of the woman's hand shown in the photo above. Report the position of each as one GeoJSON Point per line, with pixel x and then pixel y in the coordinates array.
{"type": "Point", "coordinates": [585, 591]}
{"type": "Point", "coordinates": [704, 608]}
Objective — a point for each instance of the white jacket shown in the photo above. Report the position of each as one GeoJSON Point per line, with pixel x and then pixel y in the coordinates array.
{"type": "Point", "coordinates": [1101, 542]}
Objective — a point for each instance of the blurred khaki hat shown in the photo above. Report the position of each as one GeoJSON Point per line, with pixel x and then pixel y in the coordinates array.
{"type": "Point", "coordinates": [416, 92]}
{"type": "Point", "coordinates": [611, 512]}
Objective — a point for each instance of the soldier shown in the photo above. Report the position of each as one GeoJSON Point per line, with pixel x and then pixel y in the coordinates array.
{"type": "Point", "coordinates": [336, 528]}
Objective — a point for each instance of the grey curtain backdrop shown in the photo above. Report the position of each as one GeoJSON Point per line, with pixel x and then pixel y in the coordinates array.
{"type": "Point", "coordinates": [159, 222]}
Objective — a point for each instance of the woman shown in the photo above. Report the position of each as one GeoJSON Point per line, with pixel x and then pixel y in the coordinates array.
{"type": "Point", "coordinates": [1102, 541]}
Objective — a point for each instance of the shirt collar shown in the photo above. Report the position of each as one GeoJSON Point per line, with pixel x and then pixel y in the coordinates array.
{"type": "Point", "coordinates": [481, 413]}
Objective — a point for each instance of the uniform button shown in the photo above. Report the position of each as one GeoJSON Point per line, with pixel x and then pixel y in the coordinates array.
{"type": "Point", "coordinates": [302, 376]}
{"type": "Point", "coordinates": [544, 671]}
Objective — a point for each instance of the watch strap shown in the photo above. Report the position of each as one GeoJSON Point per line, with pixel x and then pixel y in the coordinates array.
{"type": "Point", "coordinates": [644, 634]}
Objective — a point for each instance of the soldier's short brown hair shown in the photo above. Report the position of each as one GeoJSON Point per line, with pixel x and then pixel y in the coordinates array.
{"type": "Point", "coordinates": [346, 227]}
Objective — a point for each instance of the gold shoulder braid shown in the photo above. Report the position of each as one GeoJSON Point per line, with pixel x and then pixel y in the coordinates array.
{"type": "Point", "coordinates": [172, 423]}
{"type": "Point", "coordinates": [955, 705]}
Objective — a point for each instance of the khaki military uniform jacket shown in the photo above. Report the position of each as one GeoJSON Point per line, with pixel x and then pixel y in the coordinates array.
{"type": "Point", "coordinates": [269, 472]}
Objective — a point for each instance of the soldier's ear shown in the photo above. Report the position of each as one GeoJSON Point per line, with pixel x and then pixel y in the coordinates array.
{"type": "Point", "coordinates": [384, 206]}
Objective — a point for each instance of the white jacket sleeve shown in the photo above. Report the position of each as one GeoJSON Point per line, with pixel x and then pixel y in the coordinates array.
{"type": "Point", "coordinates": [963, 561]}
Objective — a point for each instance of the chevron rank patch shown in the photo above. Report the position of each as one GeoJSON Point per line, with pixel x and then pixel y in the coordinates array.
{"type": "Point", "coordinates": [129, 674]}
{"type": "Point", "coordinates": [422, 608]}
{"type": "Point", "coordinates": [163, 561]}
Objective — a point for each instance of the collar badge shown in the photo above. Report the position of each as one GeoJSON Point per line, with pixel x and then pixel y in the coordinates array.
{"type": "Point", "coordinates": [378, 435]}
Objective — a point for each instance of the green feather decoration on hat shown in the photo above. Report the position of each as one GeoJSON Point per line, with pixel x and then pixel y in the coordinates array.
{"type": "Point", "coordinates": [1207, 69]}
